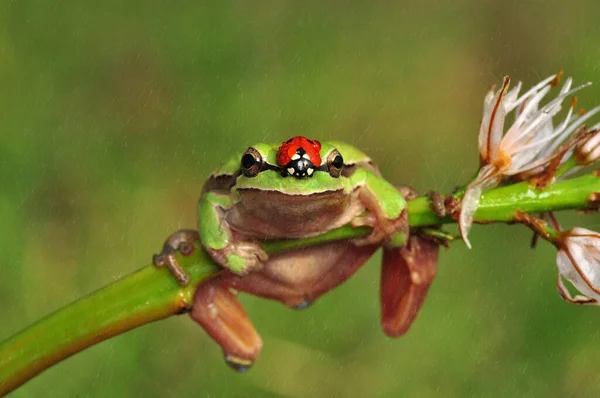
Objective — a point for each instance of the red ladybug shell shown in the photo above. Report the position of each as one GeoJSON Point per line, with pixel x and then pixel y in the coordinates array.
{"type": "Point", "coordinates": [289, 148]}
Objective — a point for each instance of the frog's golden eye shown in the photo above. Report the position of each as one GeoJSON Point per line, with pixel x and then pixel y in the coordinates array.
{"type": "Point", "coordinates": [335, 163]}
{"type": "Point", "coordinates": [251, 162]}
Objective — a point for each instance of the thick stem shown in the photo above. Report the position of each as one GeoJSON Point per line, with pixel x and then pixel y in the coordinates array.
{"type": "Point", "coordinates": [147, 295]}
{"type": "Point", "coordinates": [151, 294]}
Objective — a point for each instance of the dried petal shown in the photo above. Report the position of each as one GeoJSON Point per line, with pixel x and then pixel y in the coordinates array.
{"type": "Point", "coordinates": [470, 203]}
{"type": "Point", "coordinates": [470, 200]}
{"type": "Point", "coordinates": [492, 124]}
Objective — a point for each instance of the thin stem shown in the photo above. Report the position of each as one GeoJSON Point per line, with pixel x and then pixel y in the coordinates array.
{"type": "Point", "coordinates": [500, 204]}
{"type": "Point", "coordinates": [151, 294]}
{"type": "Point", "coordinates": [568, 165]}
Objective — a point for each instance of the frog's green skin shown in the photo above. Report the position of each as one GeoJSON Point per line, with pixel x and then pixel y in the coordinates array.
{"type": "Point", "coordinates": [270, 206]}
{"type": "Point", "coordinates": [236, 210]}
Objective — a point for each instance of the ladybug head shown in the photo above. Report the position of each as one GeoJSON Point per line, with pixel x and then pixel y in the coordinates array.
{"type": "Point", "coordinates": [299, 157]}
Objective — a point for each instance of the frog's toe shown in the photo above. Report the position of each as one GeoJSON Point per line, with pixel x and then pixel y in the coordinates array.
{"type": "Point", "coordinates": [368, 220]}
{"type": "Point", "coordinates": [246, 259]}
{"type": "Point", "coordinates": [377, 234]}
{"type": "Point", "coordinates": [243, 266]}
{"type": "Point", "coordinates": [386, 231]}
{"type": "Point", "coordinates": [438, 203]}
{"type": "Point", "coordinates": [238, 364]}
{"type": "Point", "coordinates": [182, 241]}
{"type": "Point", "coordinates": [407, 192]}
{"type": "Point", "coordinates": [241, 258]}
{"type": "Point", "coordinates": [183, 236]}
{"type": "Point", "coordinates": [167, 259]}
{"type": "Point", "coordinates": [303, 305]}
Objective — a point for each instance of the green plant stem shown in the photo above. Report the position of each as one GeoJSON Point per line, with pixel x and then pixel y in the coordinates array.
{"type": "Point", "coordinates": [151, 294]}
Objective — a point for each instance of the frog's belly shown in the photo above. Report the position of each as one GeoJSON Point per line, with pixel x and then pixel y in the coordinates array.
{"type": "Point", "coordinates": [303, 268]}
{"type": "Point", "coordinates": [274, 215]}
{"type": "Point", "coordinates": [299, 276]}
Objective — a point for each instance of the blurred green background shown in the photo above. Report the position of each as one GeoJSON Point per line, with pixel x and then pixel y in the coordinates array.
{"type": "Point", "coordinates": [113, 114]}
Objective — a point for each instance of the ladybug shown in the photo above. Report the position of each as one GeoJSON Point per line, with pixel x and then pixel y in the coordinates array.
{"type": "Point", "coordinates": [299, 157]}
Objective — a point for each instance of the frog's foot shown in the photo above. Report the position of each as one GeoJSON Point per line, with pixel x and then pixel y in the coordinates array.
{"type": "Point", "coordinates": [391, 232]}
{"type": "Point", "coordinates": [407, 192]}
{"type": "Point", "coordinates": [218, 311]}
{"type": "Point", "coordinates": [241, 258]}
{"type": "Point", "coordinates": [438, 204]}
{"type": "Point", "coordinates": [182, 240]}
{"type": "Point", "coordinates": [406, 274]}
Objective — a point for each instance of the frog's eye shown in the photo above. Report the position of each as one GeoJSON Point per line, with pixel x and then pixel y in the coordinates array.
{"type": "Point", "coordinates": [335, 163]}
{"type": "Point", "coordinates": [251, 162]}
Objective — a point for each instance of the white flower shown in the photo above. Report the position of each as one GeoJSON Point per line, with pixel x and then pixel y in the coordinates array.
{"type": "Point", "coordinates": [531, 142]}
{"type": "Point", "coordinates": [578, 262]}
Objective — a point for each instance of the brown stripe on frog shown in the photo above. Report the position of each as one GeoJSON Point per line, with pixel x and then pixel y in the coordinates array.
{"type": "Point", "coordinates": [220, 183]}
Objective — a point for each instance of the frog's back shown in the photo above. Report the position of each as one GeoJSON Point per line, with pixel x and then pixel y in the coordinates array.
{"type": "Point", "coordinates": [233, 165]}
{"type": "Point", "coordinates": [353, 158]}
{"type": "Point", "coordinates": [351, 154]}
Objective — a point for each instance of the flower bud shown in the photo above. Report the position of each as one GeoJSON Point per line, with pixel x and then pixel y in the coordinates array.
{"type": "Point", "coordinates": [587, 150]}
{"type": "Point", "coordinates": [578, 261]}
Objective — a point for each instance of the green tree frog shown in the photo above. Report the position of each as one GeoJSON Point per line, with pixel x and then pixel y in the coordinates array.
{"type": "Point", "coordinates": [299, 189]}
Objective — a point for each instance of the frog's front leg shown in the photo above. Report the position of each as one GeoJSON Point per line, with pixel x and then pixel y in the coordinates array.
{"type": "Point", "coordinates": [239, 256]}
{"type": "Point", "coordinates": [217, 309]}
{"type": "Point", "coordinates": [387, 215]}
{"type": "Point", "coordinates": [406, 274]}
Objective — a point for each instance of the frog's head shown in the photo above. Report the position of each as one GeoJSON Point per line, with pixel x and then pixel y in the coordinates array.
{"type": "Point", "coordinates": [298, 157]}
{"type": "Point", "coordinates": [299, 166]}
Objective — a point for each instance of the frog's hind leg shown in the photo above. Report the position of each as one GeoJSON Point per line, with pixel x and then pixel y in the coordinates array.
{"type": "Point", "coordinates": [217, 309]}
{"type": "Point", "coordinates": [406, 275]}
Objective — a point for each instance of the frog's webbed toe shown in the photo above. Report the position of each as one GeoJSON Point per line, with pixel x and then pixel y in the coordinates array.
{"type": "Point", "coordinates": [217, 309]}
{"type": "Point", "coordinates": [241, 258]}
{"type": "Point", "coordinates": [383, 230]}
{"type": "Point", "coordinates": [387, 215]}
{"type": "Point", "coordinates": [182, 241]}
